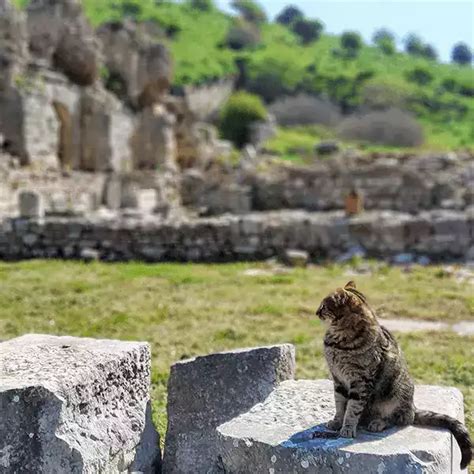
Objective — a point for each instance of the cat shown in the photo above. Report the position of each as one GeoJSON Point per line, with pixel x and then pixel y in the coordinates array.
{"type": "Point", "coordinates": [372, 385]}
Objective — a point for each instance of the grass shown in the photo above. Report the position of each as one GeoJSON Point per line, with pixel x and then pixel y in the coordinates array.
{"type": "Point", "coordinates": [185, 310]}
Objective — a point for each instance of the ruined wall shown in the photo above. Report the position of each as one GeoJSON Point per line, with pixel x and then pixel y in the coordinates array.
{"type": "Point", "coordinates": [416, 183]}
{"type": "Point", "coordinates": [437, 234]}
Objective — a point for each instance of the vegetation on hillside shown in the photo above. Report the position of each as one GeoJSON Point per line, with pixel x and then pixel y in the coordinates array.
{"type": "Point", "coordinates": [294, 55]}
{"type": "Point", "coordinates": [186, 310]}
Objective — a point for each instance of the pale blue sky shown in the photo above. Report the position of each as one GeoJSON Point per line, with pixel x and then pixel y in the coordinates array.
{"type": "Point", "coordinates": [441, 23]}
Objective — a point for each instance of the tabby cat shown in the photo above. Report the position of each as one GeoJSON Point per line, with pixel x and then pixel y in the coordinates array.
{"type": "Point", "coordinates": [372, 386]}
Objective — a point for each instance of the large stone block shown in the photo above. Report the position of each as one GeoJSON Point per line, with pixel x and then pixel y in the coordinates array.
{"type": "Point", "coordinates": [31, 204]}
{"type": "Point", "coordinates": [75, 405]}
{"type": "Point", "coordinates": [207, 391]}
{"type": "Point", "coordinates": [280, 435]}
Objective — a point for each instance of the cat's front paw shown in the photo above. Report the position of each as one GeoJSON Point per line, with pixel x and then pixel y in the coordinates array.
{"type": "Point", "coordinates": [376, 426]}
{"type": "Point", "coordinates": [334, 425]}
{"type": "Point", "coordinates": [348, 432]}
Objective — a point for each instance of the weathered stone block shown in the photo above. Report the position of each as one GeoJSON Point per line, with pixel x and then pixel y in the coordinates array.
{"type": "Point", "coordinates": [31, 204]}
{"type": "Point", "coordinates": [207, 391]}
{"type": "Point", "coordinates": [280, 435]}
{"type": "Point", "coordinates": [75, 405]}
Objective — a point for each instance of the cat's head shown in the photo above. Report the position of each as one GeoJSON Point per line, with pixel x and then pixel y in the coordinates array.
{"type": "Point", "coordinates": [342, 303]}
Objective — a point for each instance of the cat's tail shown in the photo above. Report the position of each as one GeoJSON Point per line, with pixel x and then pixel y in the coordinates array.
{"type": "Point", "coordinates": [459, 431]}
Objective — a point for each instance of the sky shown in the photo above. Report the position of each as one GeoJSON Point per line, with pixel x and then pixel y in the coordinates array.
{"type": "Point", "coordinates": [441, 23]}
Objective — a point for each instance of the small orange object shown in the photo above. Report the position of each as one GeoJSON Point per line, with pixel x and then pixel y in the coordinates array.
{"type": "Point", "coordinates": [354, 203]}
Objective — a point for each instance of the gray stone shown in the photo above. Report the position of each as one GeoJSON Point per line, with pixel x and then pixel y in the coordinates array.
{"type": "Point", "coordinates": [296, 258]}
{"type": "Point", "coordinates": [31, 204]}
{"type": "Point", "coordinates": [207, 391]}
{"type": "Point", "coordinates": [280, 435]}
{"type": "Point", "coordinates": [327, 147]}
{"type": "Point", "coordinates": [90, 255]}
{"type": "Point", "coordinates": [75, 405]}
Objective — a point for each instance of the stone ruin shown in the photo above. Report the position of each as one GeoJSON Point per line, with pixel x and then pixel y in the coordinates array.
{"type": "Point", "coordinates": [98, 158]}
{"type": "Point", "coordinates": [87, 116]}
{"type": "Point", "coordinates": [80, 405]}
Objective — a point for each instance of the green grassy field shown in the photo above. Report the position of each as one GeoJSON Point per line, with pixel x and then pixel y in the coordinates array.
{"type": "Point", "coordinates": [185, 310]}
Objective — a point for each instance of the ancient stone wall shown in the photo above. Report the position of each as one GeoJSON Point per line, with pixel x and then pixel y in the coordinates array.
{"type": "Point", "coordinates": [439, 235]}
{"type": "Point", "coordinates": [418, 183]}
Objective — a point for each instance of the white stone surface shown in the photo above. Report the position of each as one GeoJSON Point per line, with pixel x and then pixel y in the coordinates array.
{"type": "Point", "coordinates": [75, 405]}
{"type": "Point", "coordinates": [278, 434]}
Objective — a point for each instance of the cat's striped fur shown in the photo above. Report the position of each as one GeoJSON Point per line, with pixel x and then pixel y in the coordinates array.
{"type": "Point", "coordinates": [372, 386]}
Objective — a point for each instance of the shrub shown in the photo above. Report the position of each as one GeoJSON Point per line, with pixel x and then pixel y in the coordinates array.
{"type": "Point", "coordinates": [243, 35]}
{"type": "Point", "coordinates": [289, 14]}
{"type": "Point", "coordinates": [382, 95]}
{"type": "Point", "coordinates": [250, 11]}
{"type": "Point", "coordinates": [419, 76]}
{"type": "Point", "coordinates": [307, 30]}
{"type": "Point", "coordinates": [274, 76]}
{"type": "Point", "coordinates": [305, 109]}
{"type": "Point", "coordinates": [461, 54]}
{"type": "Point", "coordinates": [351, 42]}
{"type": "Point", "coordinates": [392, 127]}
{"type": "Point", "coordinates": [238, 114]}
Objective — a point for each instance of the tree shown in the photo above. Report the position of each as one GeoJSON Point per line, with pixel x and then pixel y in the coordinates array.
{"type": "Point", "coordinates": [382, 35]}
{"type": "Point", "coordinates": [289, 15]}
{"type": "Point", "coordinates": [429, 52]}
{"type": "Point", "coordinates": [203, 5]}
{"type": "Point", "coordinates": [351, 42]}
{"type": "Point", "coordinates": [414, 45]}
{"type": "Point", "coordinates": [461, 54]}
{"type": "Point", "coordinates": [385, 41]}
{"type": "Point", "coordinates": [250, 11]}
{"type": "Point", "coordinates": [307, 30]}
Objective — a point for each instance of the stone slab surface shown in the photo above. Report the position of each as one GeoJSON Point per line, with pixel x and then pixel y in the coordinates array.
{"type": "Point", "coordinates": [207, 391]}
{"type": "Point", "coordinates": [277, 436]}
{"type": "Point", "coordinates": [75, 405]}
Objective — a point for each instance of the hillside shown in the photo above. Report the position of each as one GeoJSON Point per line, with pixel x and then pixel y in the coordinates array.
{"type": "Point", "coordinates": [442, 99]}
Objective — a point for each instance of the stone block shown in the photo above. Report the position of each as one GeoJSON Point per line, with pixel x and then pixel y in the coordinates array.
{"type": "Point", "coordinates": [31, 204]}
{"type": "Point", "coordinates": [207, 391]}
{"type": "Point", "coordinates": [280, 435]}
{"type": "Point", "coordinates": [75, 405]}
{"type": "Point", "coordinates": [296, 258]}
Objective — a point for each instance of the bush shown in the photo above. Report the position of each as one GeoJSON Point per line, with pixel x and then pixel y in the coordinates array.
{"type": "Point", "coordinates": [274, 76]}
{"type": "Point", "coordinates": [351, 42]}
{"type": "Point", "coordinates": [289, 15]}
{"type": "Point", "coordinates": [243, 35]}
{"type": "Point", "coordinates": [461, 54]}
{"type": "Point", "coordinates": [250, 11]}
{"type": "Point", "coordinates": [382, 95]}
{"type": "Point", "coordinates": [419, 76]}
{"type": "Point", "coordinates": [307, 30]}
{"type": "Point", "coordinates": [392, 127]}
{"type": "Point", "coordinates": [238, 114]}
{"type": "Point", "coordinates": [304, 109]}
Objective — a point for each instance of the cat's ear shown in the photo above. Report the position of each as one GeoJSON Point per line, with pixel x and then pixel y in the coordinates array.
{"type": "Point", "coordinates": [350, 285]}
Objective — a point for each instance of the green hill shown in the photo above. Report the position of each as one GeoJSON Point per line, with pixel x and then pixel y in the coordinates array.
{"type": "Point", "coordinates": [440, 95]}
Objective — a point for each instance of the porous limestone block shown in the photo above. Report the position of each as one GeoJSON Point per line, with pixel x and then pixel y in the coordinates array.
{"type": "Point", "coordinates": [277, 436]}
{"type": "Point", "coordinates": [75, 405]}
{"type": "Point", "coordinates": [207, 391]}
{"type": "Point", "coordinates": [31, 204]}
